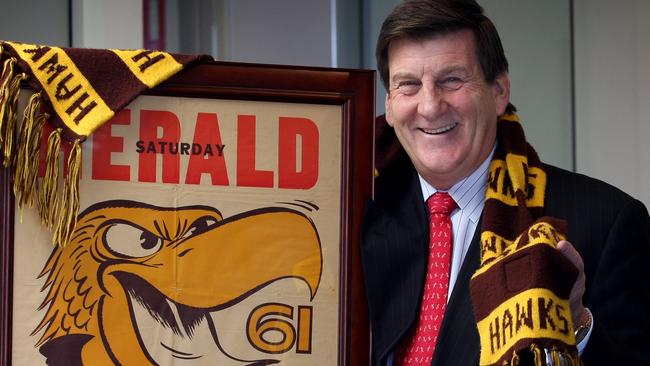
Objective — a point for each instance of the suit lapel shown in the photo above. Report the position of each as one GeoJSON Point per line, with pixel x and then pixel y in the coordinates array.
{"type": "Point", "coordinates": [394, 259]}
{"type": "Point", "coordinates": [458, 341]}
{"type": "Point", "coordinates": [394, 253]}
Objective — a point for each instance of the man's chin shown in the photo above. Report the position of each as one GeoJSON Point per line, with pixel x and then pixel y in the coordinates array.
{"type": "Point", "coordinates": [443, 174]}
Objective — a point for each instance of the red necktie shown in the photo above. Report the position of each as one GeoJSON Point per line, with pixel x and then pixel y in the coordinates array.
{"type": "Point", "coordinates": [419, 349]}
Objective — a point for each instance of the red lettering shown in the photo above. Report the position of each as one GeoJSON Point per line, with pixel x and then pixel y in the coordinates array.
{"type": "Point", "coordinates": [150, 123]}
{"type": "Point", "coordinates": [104, 143]}
{"type": "Point", "coordinates": [207, 133]}
{"type": "Point", "coordinates": [247, 174]}
{"type": "Point", "coordinates": [289, 176]}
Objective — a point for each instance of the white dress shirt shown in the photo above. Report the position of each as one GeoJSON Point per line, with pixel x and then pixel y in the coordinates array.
{"type": "Point", "coordinates": [469, 195]}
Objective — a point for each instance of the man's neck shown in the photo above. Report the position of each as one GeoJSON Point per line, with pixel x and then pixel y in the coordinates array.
{"type": "Point", "coordinates": [428, 188]}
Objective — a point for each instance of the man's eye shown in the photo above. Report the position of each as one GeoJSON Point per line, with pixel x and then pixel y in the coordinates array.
{"type": "Point", "coordinates": [451, 82]}
{"type": "Point", "coordinates": [407, 86]}
{"type": "Point", "coordinates": [408, 83]}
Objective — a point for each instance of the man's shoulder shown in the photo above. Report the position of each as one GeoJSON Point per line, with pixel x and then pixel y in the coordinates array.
{"type": "Point", "coordinates": [566, 182]}
{"type": "Point", "coordinates": [395, 180]}
{"type": "Point", "coordinates": [569, 192]}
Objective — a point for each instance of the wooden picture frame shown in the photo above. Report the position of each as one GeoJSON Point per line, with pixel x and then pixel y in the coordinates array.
{"type": "Point", "coordinates": [337, 104]}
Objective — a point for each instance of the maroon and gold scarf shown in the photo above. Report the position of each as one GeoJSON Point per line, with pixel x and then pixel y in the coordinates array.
{"type": "Point", "coordinates": [76, 90]}
{"type": "Point", "coordinates": [520, 293]}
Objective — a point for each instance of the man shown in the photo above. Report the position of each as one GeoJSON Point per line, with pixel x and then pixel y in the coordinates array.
{"type": "Point", "coordinates": [445, 71]}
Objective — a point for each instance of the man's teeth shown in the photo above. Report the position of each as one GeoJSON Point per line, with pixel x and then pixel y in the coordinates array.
{"type": "Point", "coordinates": [440, 130]}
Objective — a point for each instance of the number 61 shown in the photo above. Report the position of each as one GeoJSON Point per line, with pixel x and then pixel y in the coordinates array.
{"type": "Point", "coordinates": [272, 317]}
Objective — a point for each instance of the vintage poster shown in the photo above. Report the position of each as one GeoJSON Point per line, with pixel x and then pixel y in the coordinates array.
{"type": "Point", "coordinates": [208, 234]}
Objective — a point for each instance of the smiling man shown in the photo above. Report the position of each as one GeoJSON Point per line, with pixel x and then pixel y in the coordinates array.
{"type": "Point", "coordinates": [443, 110]}
{"type": "Point", "coordinates": [474, 252]}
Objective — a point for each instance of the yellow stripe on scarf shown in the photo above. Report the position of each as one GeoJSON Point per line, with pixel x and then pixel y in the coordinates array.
{"type": "Point", "coordinates": [150, 67]}
{"type": "Point", "coordinates": [534, 313]}
{"type": "Point", "coordinates": [493, 246]}
{"type": "Point", "coordinates": [507, 177]}
{"type": "Point", "coordinates": [540, 233]}
{"type": "Point", "coordinates": [509, 117]}
{"type": "Point", "coordinates": [76, 102]}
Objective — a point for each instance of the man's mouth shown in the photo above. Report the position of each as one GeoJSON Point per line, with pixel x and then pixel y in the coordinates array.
{"type": "Point", "coordinates": [441, 130]}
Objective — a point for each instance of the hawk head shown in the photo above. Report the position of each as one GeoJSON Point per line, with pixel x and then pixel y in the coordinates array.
{"type": "Point", "coordinates": [132, 266]}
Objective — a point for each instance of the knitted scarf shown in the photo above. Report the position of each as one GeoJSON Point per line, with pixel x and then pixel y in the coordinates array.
{"type": "Point", "coordinates": [76, 90]}
{"type": "Point", "coordinates": [520, 293]}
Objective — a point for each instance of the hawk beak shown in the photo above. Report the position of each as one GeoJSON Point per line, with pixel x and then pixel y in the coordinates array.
{"type": "Point", "coordinates": [241, 255]}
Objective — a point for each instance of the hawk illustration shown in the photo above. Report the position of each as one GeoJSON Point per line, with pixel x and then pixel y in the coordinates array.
{"type": "Point", "coordinates": [134, 271]}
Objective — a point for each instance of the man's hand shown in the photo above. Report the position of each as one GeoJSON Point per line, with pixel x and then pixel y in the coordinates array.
{"type": "Point", "coordinates": [578, 311]}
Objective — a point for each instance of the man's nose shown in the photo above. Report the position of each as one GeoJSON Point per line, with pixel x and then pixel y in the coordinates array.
{"type": "Point", "coordinates": [432, 102]}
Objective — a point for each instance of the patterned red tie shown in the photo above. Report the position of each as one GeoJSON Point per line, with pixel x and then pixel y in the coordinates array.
{"type": "Point", "coordinates": [419, 350]}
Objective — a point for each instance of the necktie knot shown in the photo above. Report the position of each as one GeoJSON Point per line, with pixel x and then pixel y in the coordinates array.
{"type": "Point", "coordinates": [441, 203]}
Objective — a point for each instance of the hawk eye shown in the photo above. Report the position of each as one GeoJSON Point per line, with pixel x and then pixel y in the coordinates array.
{"type": "Point", "coordinates": [200, 225]}
{"type": "Point", "coordinates": [131, 241]}
{"type": "Point", "coordinates": [148, 240]}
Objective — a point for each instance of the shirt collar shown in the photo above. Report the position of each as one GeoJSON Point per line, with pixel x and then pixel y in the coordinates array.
{"type": "Point", "coordinates": [464, 191]}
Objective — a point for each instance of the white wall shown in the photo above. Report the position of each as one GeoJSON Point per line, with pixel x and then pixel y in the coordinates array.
{"type": "Point", "coordinates": [374, 12]}
{"type": "Point", "coordinates": [290, 32]}
{"type": "Point", "coordinates": [612, 55]}
{"type": "Point", "coordinates": [35, 21]}
{"type": "Point", "coordinates": [536, 36]}
{"type": "Point", "coordinates": [294, 32]}
{"type": "Point", "coordinates": [95, 23]}
{"type": "Point", "coordinates": [107, 24]}
{"type": "Point", "coordinates": [172, 41]}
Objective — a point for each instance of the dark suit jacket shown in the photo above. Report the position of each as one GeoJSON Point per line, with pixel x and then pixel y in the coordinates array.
{"type": "Point", "coordinates": [610, 229]}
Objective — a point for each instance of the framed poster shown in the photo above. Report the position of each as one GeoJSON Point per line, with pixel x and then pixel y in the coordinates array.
{"type": "Point", "coordinates": [219, 225]}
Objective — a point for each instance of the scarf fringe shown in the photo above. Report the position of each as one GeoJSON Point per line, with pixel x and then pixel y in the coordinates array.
{"type": "Point", "coordinates": [59, 212]}
{"type": "Point", "coordinates": [9, 92]}
{"type": "Point", "coordinates": [20, 147]}
{"type": "Point", "coordinates": [544, 358]}
{"type": "Point", "coordinates": [29, 142]}
{"type": "Point", "coordinates": [538, 356]}
{"type": "Point", "coordinates": [555, 356]}
{"type": "Point", "coordinates": [67, 218]}
{"type": "Point", "coordinates": [19, 150]}
{"type": "Point", "coordinates": [5, 81]}
{"type": "Point", "coordinates": [48, 201]}
{"type": "Point", "coordinates": [515, 360]}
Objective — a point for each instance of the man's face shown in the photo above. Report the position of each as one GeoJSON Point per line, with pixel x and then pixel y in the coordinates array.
{"type": "Point", "coordinates": [443, 111]}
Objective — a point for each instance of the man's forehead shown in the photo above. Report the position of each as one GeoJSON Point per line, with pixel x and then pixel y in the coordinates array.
{"type": "Point", "coordinates": [455, 47]}
{"type": "Point", "coordinates": [463, 37]}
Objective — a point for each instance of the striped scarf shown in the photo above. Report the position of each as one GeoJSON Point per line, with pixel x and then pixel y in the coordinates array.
{"type": "Point", "coordinates": [520, 292]}
{"type": "Point", "coordinates": [77, 90]}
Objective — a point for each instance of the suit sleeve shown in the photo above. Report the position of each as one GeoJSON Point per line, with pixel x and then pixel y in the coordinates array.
{"type": "Point", "coordinates": [620, 292]}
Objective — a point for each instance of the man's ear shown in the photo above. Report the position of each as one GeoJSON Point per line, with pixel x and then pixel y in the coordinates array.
{"type": "Point", "coordinates": [501, 91]}
{"type": "Point", "coordinates": [389, 111]}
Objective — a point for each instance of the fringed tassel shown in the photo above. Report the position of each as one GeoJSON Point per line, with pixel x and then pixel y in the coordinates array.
{"type": "Point", "coordinates": [9, 91]}
{"type": "Point", "coordinates": [562, 357]}
{"type": "Point", "coordinates": [48, 199]}
{"type": "Point", "coordinates": [541, 357]}
{"type": "Point", "coordinates": [515, 359]}
{"type": "Point", "coordinates": [555, 356]}
{"type": "Point", "coordinates": [29, 141]}
{"type": "Point", "coordinates": [5, 81]}
{"type": "Point", "coordinates": [538, 356]}
{"type": "Point", "coordinates": [70, 199]}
